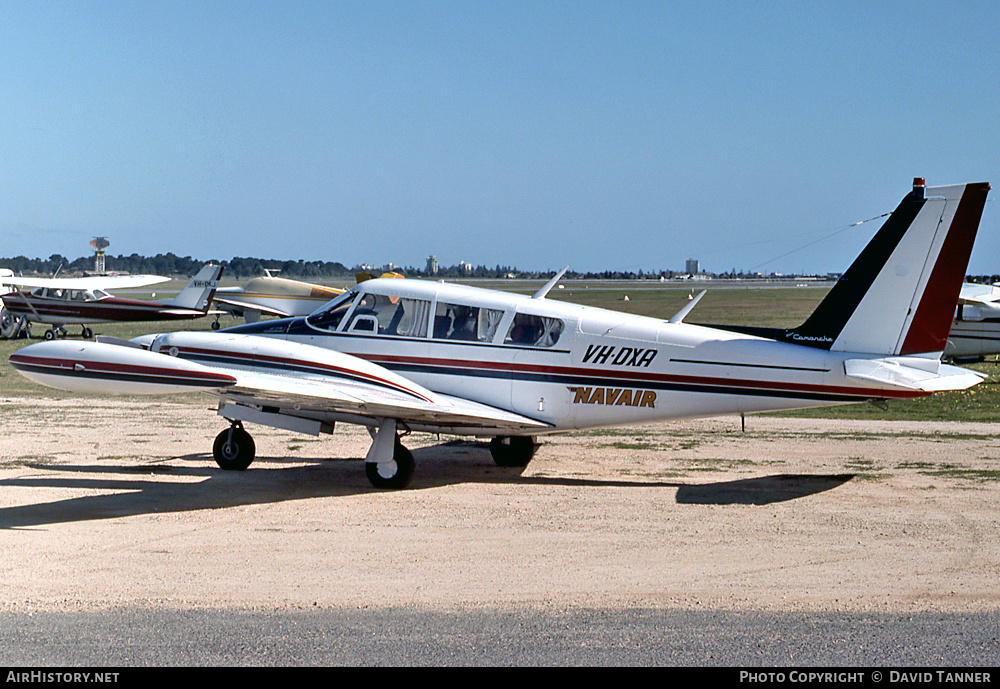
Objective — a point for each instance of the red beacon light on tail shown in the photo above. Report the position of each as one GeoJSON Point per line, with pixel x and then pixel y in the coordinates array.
{"type": "Point", "coordinates": [918, 187]}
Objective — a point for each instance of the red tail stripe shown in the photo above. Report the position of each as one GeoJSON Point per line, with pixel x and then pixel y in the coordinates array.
{"type": "Point", "coordinates": [932, 321]}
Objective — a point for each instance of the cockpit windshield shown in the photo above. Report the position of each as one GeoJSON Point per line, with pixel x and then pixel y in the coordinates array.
{"type": "Point", "coordinates": [328, 317]}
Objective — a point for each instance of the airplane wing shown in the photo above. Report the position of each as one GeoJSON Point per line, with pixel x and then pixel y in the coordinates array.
{"type": "Point", "coordinates": [310, 398]}
{"type": "Point", "coordinates": [979, 294]}
{"type": "Point", "coordinates": [249, 306]}
{"type": "Point", "coordinates": [281, 380]}
{"type": "Point", "coordinates": [102, 282]}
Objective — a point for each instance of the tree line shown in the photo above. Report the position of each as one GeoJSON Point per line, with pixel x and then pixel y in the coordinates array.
{"type": "Point", "coordinates": [239, 267]}
{"type": "Point", "coordinates": [170, 264]}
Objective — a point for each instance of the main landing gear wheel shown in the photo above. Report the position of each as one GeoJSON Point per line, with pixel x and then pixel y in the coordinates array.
{"type": "Point", "coordinates": [8, 324]}
{"type": "Point", "coordinates": [87, 333]}
{"type": "Point", "coordinates": [512, 451]}
{"type": "Point", "coordinates": [395, 474]}
{"type": "Point", "coordinates": [234, 448]}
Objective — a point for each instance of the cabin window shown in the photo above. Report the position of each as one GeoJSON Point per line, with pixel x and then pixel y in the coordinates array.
{"type": "Point", "coordinates": [410, 318]}
{"type": "Point", "coordinates": [534, 331]}
{"type": "Point", "coordinates": [469, 323]}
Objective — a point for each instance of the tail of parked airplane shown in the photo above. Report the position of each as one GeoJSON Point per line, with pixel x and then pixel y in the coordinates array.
{"type": "Point", "coordinates": [899, 296]}
{"type": "Point", "coordinates": [199, 292]}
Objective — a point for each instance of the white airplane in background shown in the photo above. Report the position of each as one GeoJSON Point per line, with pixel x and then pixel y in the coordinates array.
{"type": "Point", "coordinates": [15, 323]}
{"type": "Point", "coordinates": [976, 331]}
{"type": "Point", "coordinates": [410, 355]}
{"type": "Point", "coordinates": [274, 296]}
{"type": "Point", "coordinates": [59, 301]}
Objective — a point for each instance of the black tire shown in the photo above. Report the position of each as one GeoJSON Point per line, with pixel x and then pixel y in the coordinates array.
{"type": "Point", "coordinates": [234, 453]}
{"type": "Point", "coordinates": [402, 468]}
{"type": "Point", "coordinates": [49, 334]}
{"type": "Point", "coordinates": [87, 333]}
{"type": "Point", "coordinates": [513, 451]}
{"type": "Point", "coordinates": [7, 323]}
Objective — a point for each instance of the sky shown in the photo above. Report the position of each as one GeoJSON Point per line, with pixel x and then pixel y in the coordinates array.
{"type": "Point", "coordinates": [595, 135]}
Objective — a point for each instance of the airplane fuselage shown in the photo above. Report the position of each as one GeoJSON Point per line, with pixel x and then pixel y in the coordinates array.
{"type": "Point", "coordinates": [88, 308]}
{"type": "Point", "coordinates": [277, 296]}
{"type": "Point", "coordinates": [592, 368]}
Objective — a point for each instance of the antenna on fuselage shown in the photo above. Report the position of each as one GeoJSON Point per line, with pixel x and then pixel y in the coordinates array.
{"type": "Point", "coordinates": [679, 316]}
{"type": "Point", "coordinates": [540, 294]}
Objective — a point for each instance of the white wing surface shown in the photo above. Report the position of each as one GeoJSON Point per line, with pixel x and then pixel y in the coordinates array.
{"type": "Point", "coordinates": [103, 282]}
{"type": "Point", "coordinates": [276, 376]}
{"type": "Point", "coordinates": [228, 300]}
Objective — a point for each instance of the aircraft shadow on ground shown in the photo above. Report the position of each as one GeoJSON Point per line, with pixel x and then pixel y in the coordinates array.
{"type": "Point", "coordinates": [165, 488]}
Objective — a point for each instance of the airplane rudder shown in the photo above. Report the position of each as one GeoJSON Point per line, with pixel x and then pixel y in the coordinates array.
{"type": "Point", "coordinates": [932, 319]}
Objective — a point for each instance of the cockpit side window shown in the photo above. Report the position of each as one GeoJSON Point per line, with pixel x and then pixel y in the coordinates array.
{"type": "Point", "coordinates": [375, 314]}
{"type": "Point", "coordinates": [470, 323]}
{"type": "Point", "coordinates": [395, 315]}
{"type": "Point", "coordinates": [534, 331]}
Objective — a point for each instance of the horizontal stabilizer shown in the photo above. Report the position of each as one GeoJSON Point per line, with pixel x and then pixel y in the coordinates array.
{"type": "Point", "coordinates": [928, 375]}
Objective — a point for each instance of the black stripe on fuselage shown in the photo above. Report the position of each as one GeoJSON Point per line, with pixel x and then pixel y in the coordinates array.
{"type": "Point", "coordinates": [766, 366]}
{"type": "Point", "coordinates": [608, 381]}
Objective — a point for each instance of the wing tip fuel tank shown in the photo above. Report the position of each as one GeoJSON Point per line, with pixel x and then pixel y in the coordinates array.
{"type": "Point", "coordinates": [102, 368]}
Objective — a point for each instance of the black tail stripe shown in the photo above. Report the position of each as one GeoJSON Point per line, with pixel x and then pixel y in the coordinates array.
{"type": "Point", "coordinates": [825, 324]}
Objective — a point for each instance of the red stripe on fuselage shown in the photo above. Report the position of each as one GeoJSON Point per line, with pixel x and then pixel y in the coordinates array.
{"type": "Point", "coordinates": [638, 376]}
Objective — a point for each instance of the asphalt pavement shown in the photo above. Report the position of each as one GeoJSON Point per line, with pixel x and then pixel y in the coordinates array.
{"type": "Point", "coordinates": [146, 637]}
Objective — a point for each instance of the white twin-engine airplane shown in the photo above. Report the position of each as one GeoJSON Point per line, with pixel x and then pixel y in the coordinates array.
{"type": "Point", "coordinates": [410, 355]}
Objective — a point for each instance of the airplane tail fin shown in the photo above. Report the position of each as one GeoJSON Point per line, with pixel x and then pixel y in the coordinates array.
{"type": "Point", "coordinates": [899, 296]}
{"type": "Point", "coordinates": [199, 292]}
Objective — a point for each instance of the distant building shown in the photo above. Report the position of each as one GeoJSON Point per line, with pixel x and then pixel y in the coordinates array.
{"type": "Point", "coordinates": [432, 265]}
{"type": "Point", "coordinates": [465, 268]}
{"type": "Point", "coordinates": [691, 267]}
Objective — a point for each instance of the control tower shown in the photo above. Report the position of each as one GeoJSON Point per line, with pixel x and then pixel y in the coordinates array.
{"type": "Point", "coordinates": [99, 244]}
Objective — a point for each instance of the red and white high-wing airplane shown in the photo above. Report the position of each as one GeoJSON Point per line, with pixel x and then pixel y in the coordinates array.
{"type": "Point", "coordinates": [402, 355]}
{"type": "Point", "coordinates": [11, 324]}
{"type": "Point", "coordinates": [59, 301]}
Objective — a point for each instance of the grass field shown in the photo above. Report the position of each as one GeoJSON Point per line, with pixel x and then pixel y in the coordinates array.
{"type": "Point", "coordinates": [767, 306]}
